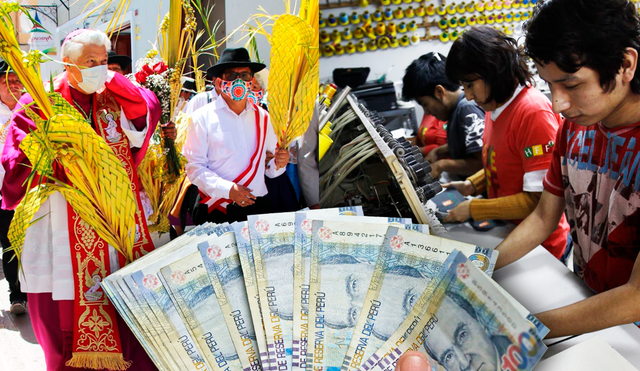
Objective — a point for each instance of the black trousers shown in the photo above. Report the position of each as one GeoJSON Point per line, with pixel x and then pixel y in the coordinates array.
{"type": "Point", "coordinates": [9, 261]}
{"type": "Point", "coordinates": [200, 213]}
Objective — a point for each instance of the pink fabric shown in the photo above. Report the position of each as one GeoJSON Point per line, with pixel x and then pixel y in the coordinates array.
{"type": "Point", "coordinates": [136, 103]}
{"type": "Point", "coordinates": [52, 323]}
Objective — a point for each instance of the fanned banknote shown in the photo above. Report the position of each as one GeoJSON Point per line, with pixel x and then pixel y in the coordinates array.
{"type": "Point", "coordinates": [272, 239]}
{"type": "Point", "coordinates": [194, 295]}
{"type": "Point", "coordinates": [468, 324]}
{"type": "Point", "coordinates": [220, 256]}
{"type": "Point", "coordinates": [407, 263]}
{"type": "Point", "coordinates": [145, 279]}
{"type": "Point", "coordinates": [301, 264]}
{"type": "Point", "coordinates": [343, 258]}
{"type": "Point", "coordinates": [245, 252]}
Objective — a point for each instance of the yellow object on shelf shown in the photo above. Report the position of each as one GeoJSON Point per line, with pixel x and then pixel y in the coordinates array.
{"type": "Point", "coordinates": [377, 15]}
{"type": "Point", "coordinates": [420, 11]}
{"type": "Point", "coordinates": [328, 50]}
{"type": "Point", "coordinates": [471, 7]}
{"type": "Point", "coordinates": [515, 4]}
{"type": "Point", "coordinates": [380, 28]}
{"type": "Point", "coordinates": [402, 27]}
{"type": "Point", "coordinates": [335, 36]}
{"type": "Point", "coordinates": [322, 22]}
{"type": "Point", "coordinates": [462, 21]}
{"type": "Point", "coordinates": [488, 5]}
{"type": "Point", "coordinates": [412, 26]}
{"type": "Point", "coordinates": [441, 10]}
{"type": "Point", "coordinates": [324, 142]}
{"type": "Point", "coordinates": [499, 18]}
{"type": "Point", "coordinates": [346, 33]}
{"type": "Point", "coordinates": [480, 6]}
{"type": "Point", "coordinates": [497, 5]}
{"type": "Point", "coordinates": [481, 19]}
{"type": "Point", "coordinates": [396, 2]}
{"type": "Point", "coordinates": [409, 13]}
{"type": "Point", "coordinates": [343, 19]}
{"type": "Point", "coordinates": [472, 20]}
{"type": "Point", "coordinates": [371, 44]}
{"type": "Point", "coordinates": [391, 28]}
{"type": "Point", "coordinates": [461, 8]}
{"type": "Point", "coordinates": [383, 42]}
{"type": "Point", "coordinates": [361, 47]}
{"type": "Point", "coordinates": [393, 42]}
{"type": "Point", "coordinates": [404, 40]}
{"type": "Point", "coordinates": [444, 36]}
{"type": "Point", "coordinates": [355, 18]}
{"type": "Point", "coordinates": [370, 32]}
{"type": "Point", "coordinates": [350, 48]}
{"type": "Point", "coordinates": [453, 22]}
{"type": "Point", "coordinates": [415, 39]}
{"type": "Point", "coordinates": [443, 23]}
{"type": "Point", "coordinates": [491, 19]}
{"type": "Point", "coordinates": [385, 2]}
{"type": "Point", "coordinates": [387, 15]}
{"type": "Point", "coordinates": [366, 18]}
{"type": "Point", "coordinates": [454, 35]}
{"type": "Point", "coordinates": [507, 4]}
{"type": "Point", "coordinates": [363, 3]}
{"type": "Point", "coordinates": [398, 13]}
{"type": "Point", "coordinates": [358, 33]}
{"type": "Point", "coordinates": [517, 17]}
{"type": "Point", "coordinates": [332, 21]}
{"type": "Point", "coordinates": [407, 1]}
{"type": "Point", "coordinates": [451, 8]}
{"type": "Point", "coordinates": [324, 37]}
{"type": "Point", "coordinates": [338, 49]}
{"type": "Point", "coordinates": [431, 10]}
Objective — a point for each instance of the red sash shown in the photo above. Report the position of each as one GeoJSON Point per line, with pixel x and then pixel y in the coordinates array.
{"type": "Point", "coordinates": [96, 339]}
{"type": "Point", "coordinates": [246, 177]}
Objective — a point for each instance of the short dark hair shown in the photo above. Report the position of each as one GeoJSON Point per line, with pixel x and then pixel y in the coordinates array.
{"type": "Point", "coordinates": [424, 74]}
{"type": "Point", "coordinates": [462, 303]}
{"type": "Point", "coordinates": [582, 33]}
{"type": "Point", "coordinates": [485, 53]}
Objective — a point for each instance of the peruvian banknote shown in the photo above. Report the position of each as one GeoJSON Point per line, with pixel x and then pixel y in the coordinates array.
{"type": "Point", "coordinates": [220, 256]}
{"type": "Point", "coordinates": [467, 324]}
{"type": "Point", "coordinates": [343, 258]}
{"type": "Point", "coordinates": [245, 252]}
{"type": "Point", "coordinates": [409, 260]}
{"type": "Point", "coordinates": [272, 239]}
{"type": "Point", "coordinates": [194, 295]}
{"type": "Point", "coordinates": [301, 264]}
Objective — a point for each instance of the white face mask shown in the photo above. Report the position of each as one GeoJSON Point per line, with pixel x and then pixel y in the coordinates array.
{"type": "Point", "coordinates": [93, 78]}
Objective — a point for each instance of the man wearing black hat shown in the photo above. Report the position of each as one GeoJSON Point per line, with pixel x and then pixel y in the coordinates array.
{"type": "Point", "coordinates": [227, 143]}
{"type": "Point", "coordinates": [202, 99]}
{"type": "Point", "coordinates": [118, 63]}
{"type": "Point", "coordinates": [10, 91]}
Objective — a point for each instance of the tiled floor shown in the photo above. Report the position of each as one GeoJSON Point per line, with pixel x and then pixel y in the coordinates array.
{"type": "Point", "coordinates": [19, 349]}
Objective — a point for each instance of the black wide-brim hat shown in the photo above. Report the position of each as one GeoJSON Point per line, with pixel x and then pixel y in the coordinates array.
{"type": "Point", "coordinates": [232, 58]}
{"type": "Point", "coordinates": [123, 60]}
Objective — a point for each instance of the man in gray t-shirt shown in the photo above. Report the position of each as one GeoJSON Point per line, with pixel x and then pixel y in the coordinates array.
{"type": "Point", "coordinates": [426, 83]}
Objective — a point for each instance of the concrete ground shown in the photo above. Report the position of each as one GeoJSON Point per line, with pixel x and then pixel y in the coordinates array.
{"type": "Point", "coordinates": [19, 349]}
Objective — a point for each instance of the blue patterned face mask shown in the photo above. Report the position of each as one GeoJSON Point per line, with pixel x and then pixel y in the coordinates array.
{"type": "Point", "coordinates": [255, 97]}
{"type": "Point", "coordinates": [237, 89]}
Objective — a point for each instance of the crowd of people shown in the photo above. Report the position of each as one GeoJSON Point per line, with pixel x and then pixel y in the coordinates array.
{"type": "Point", "coordinates": [565, 170]}
{"type": "Point", "coordinates": [235, 167]}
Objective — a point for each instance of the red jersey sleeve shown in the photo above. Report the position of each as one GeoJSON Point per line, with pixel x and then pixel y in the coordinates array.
{"type": "Point", "coordinates": [535, 139]}
{"type": "Point", "coordinates": [553, 180]}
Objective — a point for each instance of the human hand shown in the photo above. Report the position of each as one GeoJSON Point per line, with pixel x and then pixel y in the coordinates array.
{"type": "Point", "coordinates": [169, 131]}
{"type": "Point", "coordinates": [242, 195]}
{"type": "Point", "coordinates": [436, 170]}
{"type": "Point", "coordinates": [282, 158]}
{"type": "Point", "coordinates": [413, 361]}
{"type": "Point", "coordinates": [268, 158]}
{"type": "Point", "coordinates": [460, 213]}
{"type": "Point", "coordinates": [432, 156]}
{"type": "Point", "coordinates": [466, 188]}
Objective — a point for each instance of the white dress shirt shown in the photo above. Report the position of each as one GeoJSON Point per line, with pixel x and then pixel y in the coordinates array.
{"type": "Point", "coordinates": [219, 147]}
{"type": "Point", "coordinates": [200, 100]}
